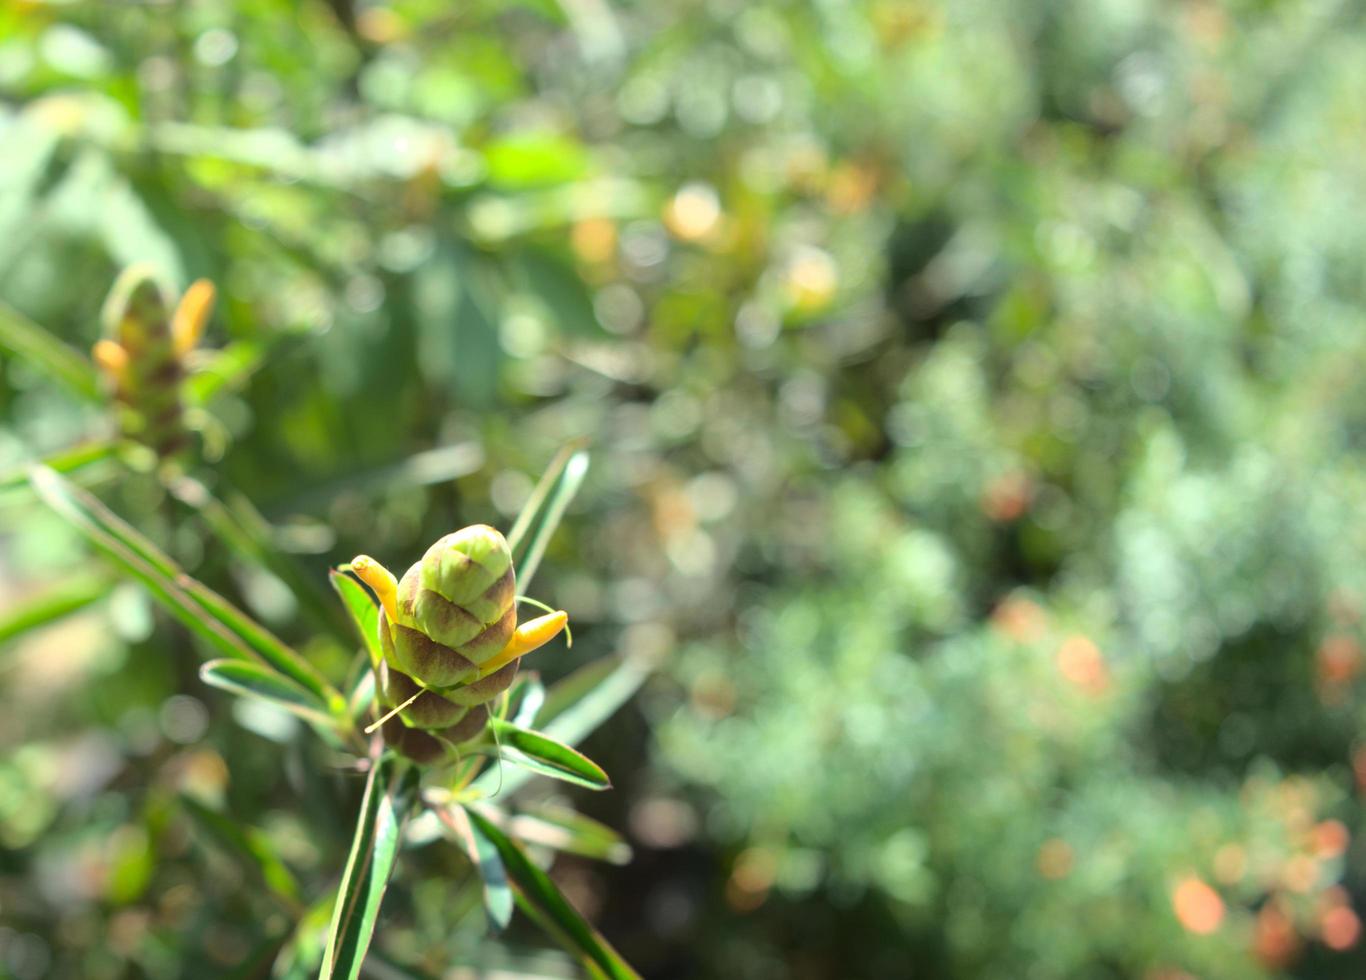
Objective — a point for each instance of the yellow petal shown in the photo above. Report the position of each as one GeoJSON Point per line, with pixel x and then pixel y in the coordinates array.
{"type": "Point", "coordinates": [190, 316]}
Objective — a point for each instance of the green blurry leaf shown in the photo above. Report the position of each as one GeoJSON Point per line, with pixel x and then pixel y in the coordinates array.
{"type": "Point", "coordinates": [389, 794]}
{"type": "Point", "coordinates": [26, 339]}
{"type": "Point", "coordinates": [532, 530]}
{"type": "Point", "coordinates": [563, 829]}
{"type": "Point", "coordinates": [249, 843]}
{"type": "Point", "coordinates": [456, 298]}
{"type": "Point", "coordinates": [545, 755]}
{"type": "Point", "coordinates": [439, 465]}
{"type": "Point", "coordinates": [196, 605]}
{"type": "Point", "coordinates": [579, 703]}
{"type": "Point", "coordinates": [534, 160]}
{"type": "Point", "coordinates": [248, 535]}
{"type": "Point", "coordinates": [302, 950]}
{"type": "Point", "coordinates": [539, 895]}
{"type": "Point", "coordinates": [73, 592]}
{"type": "Point", "coordinates": [484, 856]}
{"type": "Point", "coordinates": [249, 679]}
{"type": "Point", "coordinates": [64, 461]}
{"type": "Point", "coordinates": [532, 693]}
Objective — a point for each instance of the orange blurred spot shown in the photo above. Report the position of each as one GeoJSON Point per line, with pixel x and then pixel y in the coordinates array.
{"type": "Point", "coordinates": [1359, 768]}
{"type": "Point", "coordinates": [1198, 907]}
{"type": "Point", "coordinates": [850, 188]}
{"type": "Point", "coordinates": [1274, 939]}
{"type": "Point", "coordinates": [1300, 873]}
{"type": "Point", "coordinates": [1338, 661]}
{"type": "Point", "coordinates": [1079, 660]}
{"type": "Point", "coordinates": [1055, 859]}
{"type": "Point", "coordinates": [594, 240]}
{"type": "Point", "coordinates": [751, 879]}
{"type": "Point", "coordinates": [1331, 838]}
{"type": "Point", "coordinates": [1021, 620]}
{"type": "Point", "coordinates": [1339, 927]}
{"type": "Point", "coordinates": [1007, 497]}
{"type": "Point", "coordinates": [379, 25]}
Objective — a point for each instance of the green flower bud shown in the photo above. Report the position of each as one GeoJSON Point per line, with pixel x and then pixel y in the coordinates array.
{"type": "Point", "coordinates": [432, 747]}
{"type": "Point", "coordinates": [139, 354]}
{"type": "Point", "coordinates": [455, 608]}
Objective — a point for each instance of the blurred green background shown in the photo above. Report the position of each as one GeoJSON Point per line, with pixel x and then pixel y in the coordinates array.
{"type": "Point", "coordinates": [978, 449]}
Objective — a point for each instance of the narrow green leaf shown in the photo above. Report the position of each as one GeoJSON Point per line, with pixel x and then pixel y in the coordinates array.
{"type": "Point", "coordinates": [539, 893]}
{"type": "Point", "coordinates": [247, 534]}
{"type": "Point", "coordinates": [64, 461]}
{"type": "Point", "coordinates": [250, 679]}
{"type": "Point", "coordinates": [484, 856]}
{"type": "Point", "coordinates": [249, 843]}
{"type": "Point", "coordinates": [66, 596]}
{"type": "Point", "coordinates": [362, 610]}
{"type": "Point", "coordinates": [573, 709]}
{"type": "Point", "coordinates": [563, 829]}
{"type": "Point", "coordinates": [545, 755]}
{"type": "Point", "coordinates": [532, 693]}
{"type": "Point", "coordinates": [541, 516]}
{"type": "Point", "coordinates": [389, 794]}
{"type": "Point", "coordinates": [440, 465]}
{"type": "Point", "coordinates": [31, 342]}
{"type": "Point", "coordinates": [196, 605]}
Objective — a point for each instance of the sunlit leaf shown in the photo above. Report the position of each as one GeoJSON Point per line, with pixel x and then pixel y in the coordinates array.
{"type": "Point", "coordinates": [484, 856]}
{"type": "Point", "coordinates": [545, 755]}
{"type": "Point", "coordinates": [249, 679]}
{"type": "Point", "coordinates": [538, 894]}
{"type": "Point", "coordinates": [535, 525]}
{"type": "Point", "coordinates": [573, 709]}
{"type": "Point", "coordinates": [204, 611]}
{"type": "Point", "coordinates": [389, 793]}
{"type": "Point", "coordinates": [563, 829]}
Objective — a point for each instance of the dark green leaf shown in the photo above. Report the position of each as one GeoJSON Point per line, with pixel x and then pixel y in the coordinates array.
{"type": "Point", "coordinates": [537, 893]}
{"type": "Point", "coordinates": [249, 843]}
{"type": "Point", "coordinates": [545, 755]}
{"type": "Point", "coordinates": [542, 514]}
{"type": "Point", "coordinates": [389, 793]}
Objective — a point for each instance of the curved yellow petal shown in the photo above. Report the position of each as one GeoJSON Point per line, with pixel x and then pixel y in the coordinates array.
{"type": "Point", "coordinates": [187, 326]}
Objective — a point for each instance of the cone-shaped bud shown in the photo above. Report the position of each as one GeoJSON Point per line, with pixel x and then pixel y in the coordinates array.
{"type": "Point", "coordinates": [456, 608]}
{"type": "Point", "coordinates": [140, 355]}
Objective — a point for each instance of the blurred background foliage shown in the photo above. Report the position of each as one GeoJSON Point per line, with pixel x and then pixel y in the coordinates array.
{"type": "Point", "coordinates": [974, 397]}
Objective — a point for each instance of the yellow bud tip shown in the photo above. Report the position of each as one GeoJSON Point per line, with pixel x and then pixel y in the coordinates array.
{"type": "Point", "coordinates": [381, 582]}
{"type": "Point", "coordinates": [191, 315]}
{"type": "Point", "coordinates": [531, 635]}
{"type": "Point", "coordinates": [111, 358]}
